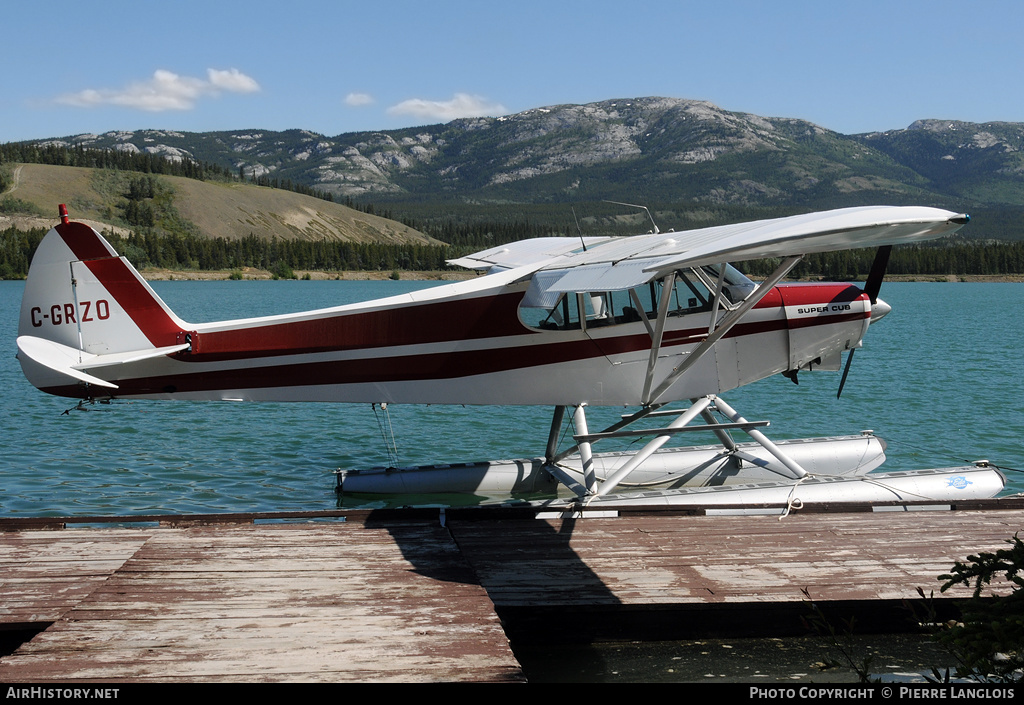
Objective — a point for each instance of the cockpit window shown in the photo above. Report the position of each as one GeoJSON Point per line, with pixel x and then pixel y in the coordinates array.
{"type": "Point", "coordinates": [564, 315]}
{"type": "Point", "coordinates": [689, 295]}
{"type": "Point", "coordinates": [736, 286]}
{"type": "Point", "coordinates": [692, 293]}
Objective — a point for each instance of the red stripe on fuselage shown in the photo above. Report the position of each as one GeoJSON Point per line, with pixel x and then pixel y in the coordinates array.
{"type": "Point", "coordinates": [809, 294]}
{"type": "Point", "coordinates": [475, 318]}
{"type": "Point", "coordinates": [425, 366]}
{"type": "Point", "coordinates": [417, 324]}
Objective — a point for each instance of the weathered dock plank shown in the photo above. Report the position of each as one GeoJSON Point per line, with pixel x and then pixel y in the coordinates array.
{"type": "Point", "coordinates": [416, 597]}
{"type": "Point", "coordinates": [277, 603]}
{"type": "Point", "coordinates": [42, 578]}
{"type": "Point", "coordinates": [718, 559]}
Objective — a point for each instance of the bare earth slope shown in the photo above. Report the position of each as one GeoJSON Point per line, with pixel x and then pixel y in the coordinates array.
{"type": "Point", "coordinates": [231, 211]}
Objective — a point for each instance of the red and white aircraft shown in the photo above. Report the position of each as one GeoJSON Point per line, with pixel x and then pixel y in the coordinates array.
{"type": "Point", "coordinates": [624, 321]}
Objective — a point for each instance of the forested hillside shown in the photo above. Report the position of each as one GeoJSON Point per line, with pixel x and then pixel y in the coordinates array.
{"type": "Point", "coordinates": [432, 193]}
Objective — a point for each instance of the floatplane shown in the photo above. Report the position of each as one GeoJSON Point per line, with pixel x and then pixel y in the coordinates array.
{"type": "Point", "coordinates": [650, 322]}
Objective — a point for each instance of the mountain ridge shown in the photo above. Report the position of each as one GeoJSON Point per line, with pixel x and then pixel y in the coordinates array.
{"type": "Point", "coordinates": [646, 150]}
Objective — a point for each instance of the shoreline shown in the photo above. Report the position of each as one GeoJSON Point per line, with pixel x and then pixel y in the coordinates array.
{"type": "Point", "coordinates": [253, 274]}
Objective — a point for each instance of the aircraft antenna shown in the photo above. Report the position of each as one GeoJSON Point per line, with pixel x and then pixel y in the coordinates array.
{"type": "Point", "coordinates": [633, 205]}
{"type": "Point", "coordinates": [578, 230]}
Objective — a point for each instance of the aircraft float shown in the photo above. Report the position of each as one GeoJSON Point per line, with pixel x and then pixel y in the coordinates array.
{"type": "Point", "coordinates": [641, 322]}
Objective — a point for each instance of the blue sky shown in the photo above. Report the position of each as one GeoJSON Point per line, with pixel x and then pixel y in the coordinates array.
{"type": "Point", "coordinates": [334, 67]}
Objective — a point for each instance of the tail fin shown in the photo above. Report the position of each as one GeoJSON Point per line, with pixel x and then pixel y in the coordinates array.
{"type": "Point", "coordinates": [85, 308]}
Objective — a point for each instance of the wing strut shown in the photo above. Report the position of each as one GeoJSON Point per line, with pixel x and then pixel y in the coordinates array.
{"type": "Point", "coordinates": [717, 298]}
{"type": "Point", "coordinates": [668, 284]}
{"type": "Point", "coordinates": [726, 325]}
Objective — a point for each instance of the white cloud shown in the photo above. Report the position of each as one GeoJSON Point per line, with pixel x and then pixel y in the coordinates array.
{"type": "Point", "coordinates": [462, 105]}
{"type": "Point", "coordinates": [165, 91]}
{"type": "Point", "coordinates": [233, 81]}
{"type": "Point", "coordinates": [358, 99]}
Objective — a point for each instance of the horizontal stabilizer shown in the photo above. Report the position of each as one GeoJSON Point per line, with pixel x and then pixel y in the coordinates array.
{"type": "Point", "coordinates": [122, 358]}
{"type": "Point", "coordinates": [73, 362]}
{"type": "Point", "coordinates": [59, 358]}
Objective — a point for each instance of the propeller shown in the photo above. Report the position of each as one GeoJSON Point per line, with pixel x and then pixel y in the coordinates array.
{"type": "Point", "coordinates": [877, 273]}
{"type": "Point", "coordinates": [871, 288]}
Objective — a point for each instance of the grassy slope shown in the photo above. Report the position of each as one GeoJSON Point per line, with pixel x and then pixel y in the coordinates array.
{"type": "Point", "coordinates": [212, 209]}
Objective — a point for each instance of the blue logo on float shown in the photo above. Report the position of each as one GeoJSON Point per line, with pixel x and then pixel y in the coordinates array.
{"type": "Point", "coordinates": [959, 482]}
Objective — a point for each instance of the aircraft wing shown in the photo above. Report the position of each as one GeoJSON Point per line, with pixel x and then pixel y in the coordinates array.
{"type": "Point", "coordinates": [538, 250]}
{"type": "Point", "coordinates": [829, 231]}
{"type": "Point", "coordinates": [624, 263]}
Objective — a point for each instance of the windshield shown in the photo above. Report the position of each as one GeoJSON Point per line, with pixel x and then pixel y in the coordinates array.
{"type": "Point", "coordinates": [691, 293]}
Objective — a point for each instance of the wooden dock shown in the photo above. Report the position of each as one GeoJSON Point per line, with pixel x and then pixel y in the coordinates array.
{"type": "Point", "coordinates": [426, 595]}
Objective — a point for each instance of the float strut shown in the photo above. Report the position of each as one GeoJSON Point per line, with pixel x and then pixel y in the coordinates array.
{"type": "Point", "coordinates": [792, 465]}
{"type": "Point", "coordinates": [579, 418]}
{"type": "Point", "coordinates": [556, 428]}
{"type": "Point", "coordinates": [699, 406]}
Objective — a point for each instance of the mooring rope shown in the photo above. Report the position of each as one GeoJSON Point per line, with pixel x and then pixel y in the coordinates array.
{"type": "Point", "coordinates": [793, 502]}
{"type": "Point", "coordinates": [390, 446]}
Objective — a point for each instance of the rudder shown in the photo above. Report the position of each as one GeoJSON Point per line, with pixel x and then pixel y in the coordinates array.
{"type": "Point", "coordinates": [82, 304]}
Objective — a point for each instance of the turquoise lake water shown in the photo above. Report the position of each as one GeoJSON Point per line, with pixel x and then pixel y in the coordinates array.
{"type": "Point", "coordinates": [940, 380]}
